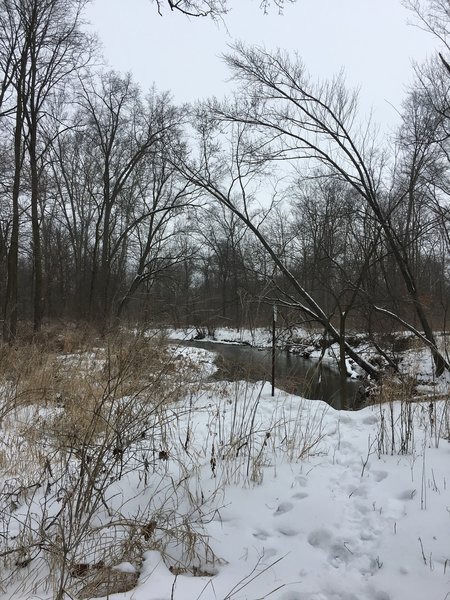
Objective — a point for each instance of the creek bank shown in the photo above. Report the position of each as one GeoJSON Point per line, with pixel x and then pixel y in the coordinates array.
{"type": "Point", "coordinates": [294, 374]}
{"type": "Point", "coordinates": [399, 354]}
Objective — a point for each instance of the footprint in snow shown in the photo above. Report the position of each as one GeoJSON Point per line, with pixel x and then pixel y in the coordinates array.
{"type": "Point", "coordinates": [283, 508]}
{"type": "Point", "coordinates": [301, 481]}
{"type": "Point", "coordinates": [260, 534]}
{"type": "Point", "coordinates": [269, 553]}
{"type": "Point", "coordinates": [339, 551]}
{"type": "Point", "coordinates": [367, 535]}
{"type": "Point", "coordinates": [362, 508]}
{"type": "Point", "coordinates": [407, 495]}
{"type": "Point", "coordinates": [370, 420]}
{"type": "Point", "coordinates": [346, 447]}
{"type": "Point", "coordinates": [339, 554]}
{"type": "Point", "coordinates": [379, 595]}
{"type": "Point", "coordinates": [360, 491]}
{"type": "Point", "coordinates": [300, 496]}
{"type": "Point", "coordinates": [288, 531]}
{"type": "Point", "coordinates": [379, 475]}
{"type": "Point", "coordinates": [344, 419]}
{"type": "Point", "coordinates": [320, 538]}
{"type": "Point", "coordinates": [292, 596]}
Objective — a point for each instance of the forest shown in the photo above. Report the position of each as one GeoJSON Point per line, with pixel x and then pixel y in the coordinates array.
{"type": "Point", "coordinates": [132, 466]}
{"type": "Point", "coordinates": [119, 206]}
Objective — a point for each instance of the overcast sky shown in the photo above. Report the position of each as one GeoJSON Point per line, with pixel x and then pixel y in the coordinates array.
{"type": "Point", "coordinates": [371, 39]}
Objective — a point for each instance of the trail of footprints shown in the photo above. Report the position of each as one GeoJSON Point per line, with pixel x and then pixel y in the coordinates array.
{"type": "Point", "coordinates": [358, 549]}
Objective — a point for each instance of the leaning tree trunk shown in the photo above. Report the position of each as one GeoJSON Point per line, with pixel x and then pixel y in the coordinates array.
{"type": "Point", "coordinates": [307, 304]}
{"type": "Point", "coordinates": [439, 361]}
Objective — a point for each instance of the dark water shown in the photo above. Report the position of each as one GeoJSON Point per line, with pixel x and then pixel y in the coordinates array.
{"type": "Point", "coordinates": [294, 374]}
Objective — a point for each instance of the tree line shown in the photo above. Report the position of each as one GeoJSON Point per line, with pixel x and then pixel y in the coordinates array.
{"type": "Point", "coordinates": [116, 204]}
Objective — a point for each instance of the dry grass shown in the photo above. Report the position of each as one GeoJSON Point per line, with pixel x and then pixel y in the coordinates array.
{"type": "Point", "coordinates": [395, 388]}
{"type": "Point", "coordinates": [76, 424]}
{"type": "Point", "coordinates": [396, 433]}
{"type": "Point", "coordinates": [105, 582]}
{"type": "Point", "coordinates": [99, 460]}
{"type": "Point", "coordinates": [403, 409]}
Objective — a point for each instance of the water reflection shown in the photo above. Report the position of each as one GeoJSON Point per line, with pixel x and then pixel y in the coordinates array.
{"type": "Point", "coordinates": [294, 374]}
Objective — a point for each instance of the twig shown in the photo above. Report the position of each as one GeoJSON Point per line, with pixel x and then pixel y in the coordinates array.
{"type": "Point", "coordinates": [240, 585]}
{"type": "Point", "coordinates": [423, 553]}
{"type": "Point", "coordinates": [173, 587]}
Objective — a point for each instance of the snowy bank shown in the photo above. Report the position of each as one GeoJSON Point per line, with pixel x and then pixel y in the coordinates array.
{"type": "Point", "coordinates": [285, 499]}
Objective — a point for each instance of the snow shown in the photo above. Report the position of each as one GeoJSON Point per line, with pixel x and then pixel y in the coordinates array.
{"type": "Point", "coordinates": [415, 361]}
{"type": "Point", "coordinates": [292, 499]}
{"type": "Point", "coordinates": [259, 337]}
{"type": "Point", "coordinates": [344, 524]}
{"type": "Point", "coordinates": [203, 359]}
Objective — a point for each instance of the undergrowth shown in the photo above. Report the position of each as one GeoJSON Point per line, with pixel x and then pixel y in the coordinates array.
{"type": "Point", "coordinates": [102, 458]}
{"type": "Point", "coordinates": [403, 409]}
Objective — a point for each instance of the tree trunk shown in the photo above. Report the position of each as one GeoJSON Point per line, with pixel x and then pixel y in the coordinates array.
{"type": "Point", "coordinates": [308, 305]}
{"type": "Point", "coordinates": [10, 309]}
{"type": "Point", "coordinates": [35, 228]}
{"type": "Point", "coordinates": [439, 361]}
{"type": "Point", "coordinates": [342, 363]}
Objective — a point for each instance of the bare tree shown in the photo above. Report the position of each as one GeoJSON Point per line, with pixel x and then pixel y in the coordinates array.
{"type": "Point", "coordinates": [221, 238]}
{"type": "Point", "coordinates": [297, 119]}
{"type": "Point", "coordinates": [229, 177]}
{"type": "Point", "coordinates": [214, 9]}
{"type": "Point", "coordinates": [129, 181]}
{"type": "Point", "coordinates": [154, 224]}
{"type": "Point", "coordinates": [427, 119]}
{"type": "Point", "coordinates": [45, 46]}
{"type": "Point", "coordinates": [433, 16]}
{"type": "Point", "coordinates": [13, 53]}
{"type": "Point", "coordinates": [73, 174]}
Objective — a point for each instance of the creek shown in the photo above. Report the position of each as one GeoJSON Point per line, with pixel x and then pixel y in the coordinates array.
{"type": "Point", "coordinates": [294, 374]}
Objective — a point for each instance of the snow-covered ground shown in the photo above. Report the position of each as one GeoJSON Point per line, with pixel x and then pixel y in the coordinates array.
{"type": "Point", "coordinates": [259, 337]}
{"type": "Point", "coordinates": [286, 499]}
{"type": "Point", "coordinates": [345, 523]}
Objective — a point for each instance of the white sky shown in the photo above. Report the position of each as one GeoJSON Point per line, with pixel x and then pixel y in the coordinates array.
{"type": "Point", "coordinates": [371, 39]}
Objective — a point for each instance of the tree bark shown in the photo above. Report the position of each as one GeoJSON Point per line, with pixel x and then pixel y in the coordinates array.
{"type": "Point", "coordinates": [10, 310]}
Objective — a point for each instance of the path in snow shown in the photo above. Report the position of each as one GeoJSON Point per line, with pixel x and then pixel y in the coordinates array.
{"type": "Point", "coordinates": [343, 525]}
